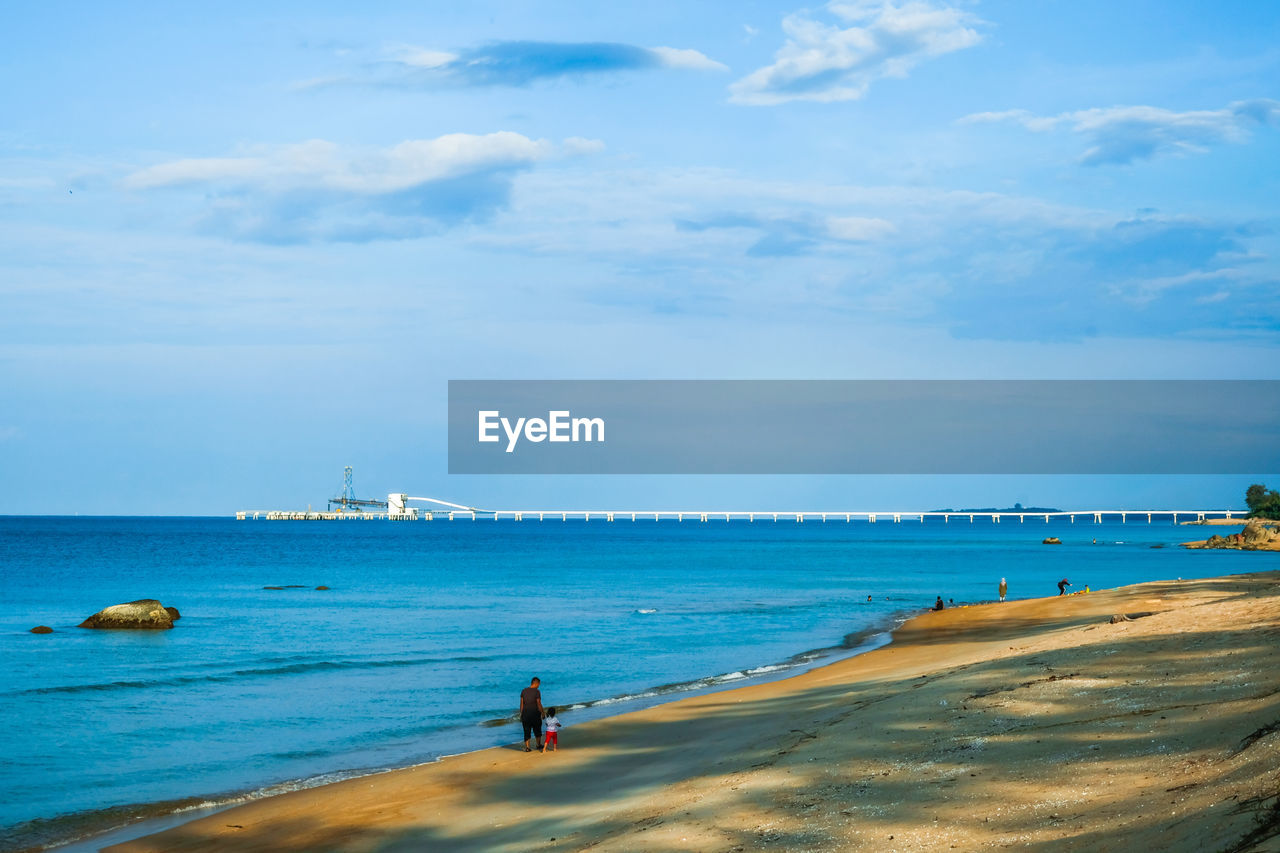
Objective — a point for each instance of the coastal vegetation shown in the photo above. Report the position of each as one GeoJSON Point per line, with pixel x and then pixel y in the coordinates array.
{"type": "Point", "coordinates": [1262, 502]}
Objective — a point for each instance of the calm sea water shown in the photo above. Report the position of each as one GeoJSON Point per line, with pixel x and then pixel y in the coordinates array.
{"type": "Point", "coordinates": [430, 629]}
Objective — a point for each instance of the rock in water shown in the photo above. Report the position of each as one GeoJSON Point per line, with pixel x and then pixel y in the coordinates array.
{"type": "Point", "coordinates": [1052, 540]}
{"type": "Point", "coordinates": [173, 613]}
{"type": "Point", "coordinates": [143, 613]}
{"type": "Point", "coordinates": [42, 629]}
{"type": "Point", "coordinates": [322, 587]}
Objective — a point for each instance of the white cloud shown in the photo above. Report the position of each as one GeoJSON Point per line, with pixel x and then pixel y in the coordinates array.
{"type": "Point", "coordinates": [421, 57]}
{"type": "Point", "coordinates": [321, 164]}
{"type": "Point", "coordinates": [319, 191]}
{"type": "Point", "coordinates": [859, 229]}
{"type": "Point", "coordinates": [691, 60]}
{"type": "Point", "coordinates": [1128, 133]}
{"type": "Point", "coordinates": [822, 62]}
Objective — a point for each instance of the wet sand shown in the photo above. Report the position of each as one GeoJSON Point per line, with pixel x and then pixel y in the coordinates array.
{"type": "Point", "coordinates": [1034, 722]}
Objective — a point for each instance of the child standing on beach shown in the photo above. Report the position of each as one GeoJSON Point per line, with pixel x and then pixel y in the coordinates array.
{"type": "Point", "coordinates": [551, 725]}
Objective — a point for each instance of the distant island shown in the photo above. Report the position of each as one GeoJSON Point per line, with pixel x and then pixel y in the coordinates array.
{"type": "Point", "coordinates": [1014, 508]}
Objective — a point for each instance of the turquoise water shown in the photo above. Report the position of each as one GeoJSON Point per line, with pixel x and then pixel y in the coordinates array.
{"type": "Point", "coordinates": [430, 629]}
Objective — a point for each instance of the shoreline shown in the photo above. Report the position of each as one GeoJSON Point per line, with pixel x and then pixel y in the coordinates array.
{"type": "Point", "coordinates": [148, 818]}
{"type": "Point", "coordinates": [765, 760]}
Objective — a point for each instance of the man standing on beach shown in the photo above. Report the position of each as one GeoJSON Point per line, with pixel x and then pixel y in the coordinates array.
{"type": "Point", "coordinates": [1062, 586]}
{"type": "Point", "coordinates": [531, 713]}
{"type": "Point", "coordinates": [1003, 588]}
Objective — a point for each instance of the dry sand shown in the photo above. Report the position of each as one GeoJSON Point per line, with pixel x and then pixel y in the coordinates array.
{"type": "Point", "coordinates": [1027, 724]}
{"type": "Point", "coordinates": [1216, 522]}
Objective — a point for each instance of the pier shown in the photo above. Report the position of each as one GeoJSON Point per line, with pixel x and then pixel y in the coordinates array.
{"type": "Point", "coordinates": [399, 508]}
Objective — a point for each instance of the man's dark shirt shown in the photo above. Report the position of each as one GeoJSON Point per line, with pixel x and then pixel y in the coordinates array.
{"type": "Point", "coordinates": [530, 702]}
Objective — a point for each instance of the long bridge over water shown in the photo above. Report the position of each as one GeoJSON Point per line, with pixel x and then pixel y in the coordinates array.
{"type": "Point", "coordinates": [399, 508]}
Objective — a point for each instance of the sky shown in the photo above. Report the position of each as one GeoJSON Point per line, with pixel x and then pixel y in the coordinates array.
{"type": "Point", "coordinates": [245, 244]}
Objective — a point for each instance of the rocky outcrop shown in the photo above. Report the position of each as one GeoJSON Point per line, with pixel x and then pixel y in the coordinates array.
{"type": "Point", "coordinates": [1257, 533]}
{"type": "Point", "coordinates": [42, 629]}
{"type": "Point", "coordinates": [173, 613]}
{"type": "Point", "coordinates": [145, 613]}
{"type": "Point", "coordinates": [1256, 536]}
{"type": "Point", "coordinates": [322, 587]}
{"type": "Point", "coordinates": [1051, 540]}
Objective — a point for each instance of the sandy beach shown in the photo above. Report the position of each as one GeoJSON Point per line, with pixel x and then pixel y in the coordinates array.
{"type": "Point", "coordinates": [1033, 723]}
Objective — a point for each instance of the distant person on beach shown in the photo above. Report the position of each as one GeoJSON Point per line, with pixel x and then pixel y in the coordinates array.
{"type": "Point", "coordinates": [1004, 588]}
{"type": "Point", "coordinates": [1062, 586]}
{"type": "Point", "coordinates": [938, 605]}
{"type": "Point", "coordinates": [531, 713]}
{"type": "Point", "coordinates": [553, 726]}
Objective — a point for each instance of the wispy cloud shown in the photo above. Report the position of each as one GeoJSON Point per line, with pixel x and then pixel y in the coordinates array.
{"type": "Point", "coordinates": [782, 236]}
{"type": "Point", "coordinates": [319, 190]}
{"type": "Point", "coordinates": [516, 63]}
{"type": "Point", "coordinates": [1125, 134]}
{"type": "Point", "coordinates": [982, 265]}
{"type": "Point", "coordinates": [839, 62]}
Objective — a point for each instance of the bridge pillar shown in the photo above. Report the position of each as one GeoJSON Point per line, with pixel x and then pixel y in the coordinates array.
{"type": "Point", "coordinates": [1199, 516]}
{"type": "Point", "coordinates": [1097, 518]}
{"type": "Point", "coordinates": [897, 518]}
{"type": "Point", "coordinates": [608, 516]}
{"type": "Point", "coordinates": [702, 517]}
{"type": "Point", "coordinates": [1046, 518]}
{"type": "Point", "coordinates": [946, 518]}
{"type": "Point", "coordinates": [1022, 519]}
{"type": "Point", "coordinates": [995, 519]}
{"type": "Point", "coordinates": [1148, 518]}
{"type": "Point", "coordinates": [971, 519]}
{"type": "Point", "coordinates": [871, 517]}
{"type": "Point", "coordinates": [848, 517]}
{"type": "Point", "coordinates": [680, 516]}
{"type": "Point", "coordinates": [751, 517]}
{"type": "Point", "coordinates": [519, 516]}
{"type": "Point", "coordinates": [473, 516]}
{"type": "Point", "coordinates": [799, 518]}
{"type": "Point", "coordinates": [451, 516]}
{"type": "Point", "coordinates": [564, 516]}
{"type": "Point", "coordinates": [824, 518]}
{"type": "Point", "coordinates": [1124, 518]}
{"type": "Point", "coordinates": [775, 516]}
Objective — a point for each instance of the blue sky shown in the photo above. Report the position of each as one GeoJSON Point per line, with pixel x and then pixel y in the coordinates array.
{"type": "Point", "coordinates": [242, 247]}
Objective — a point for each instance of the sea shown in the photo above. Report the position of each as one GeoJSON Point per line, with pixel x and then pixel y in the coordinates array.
{"type": "Point", "coordinates": [429, 629]}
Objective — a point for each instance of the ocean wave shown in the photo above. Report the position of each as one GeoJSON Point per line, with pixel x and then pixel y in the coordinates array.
{"type": "Point", "coordinates": [254, 672]}
{"type": "Point", "coordinates": [857, 641]}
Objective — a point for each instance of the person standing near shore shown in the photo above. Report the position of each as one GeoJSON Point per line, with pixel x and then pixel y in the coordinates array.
{"type": "Point", "coordinates": [1062, 586]}
{"type": "Point", "coordinates": [531, 713]}
{"type": "Point", "coordinates": [1004, 588]}
{"type": "Point", "coordinates": [553, 725]}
